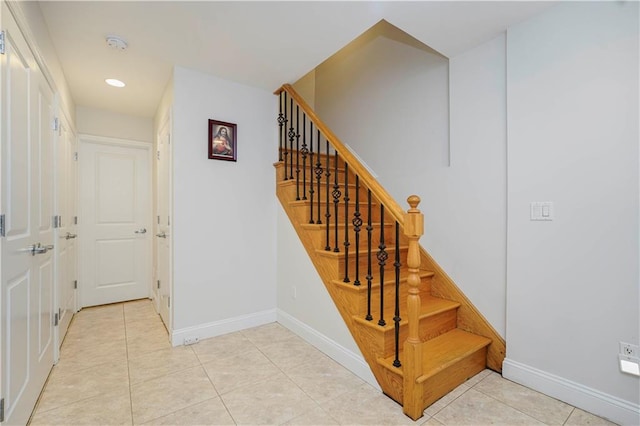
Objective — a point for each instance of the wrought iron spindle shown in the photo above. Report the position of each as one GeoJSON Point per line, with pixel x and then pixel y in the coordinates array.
{"type": "Point", "coordinates": [357, 224]}
{"type": "Point", "coordinates": [286, 150]}
{"type": "Point", "coordinates": [382, 257]}
{"type": "Point", "coordinates": [327, 214]}
{"type": "Point", "coordinates": [396, 318]}
{"type": "Point", "coordinates": [346, 223]}
{"type": "Point", "coordinates": [304, 151]}
{"type": "Point", "coordinates": [318, 171]}
{"type": "Point", "coordinates": [281, 122]}
{"type": "Point", "coordinates": [297, 152]}
{"type": "Point", "coordinates": [369, 275]}
{"type": "Point", "coordinates": [311, 154]}
{"type": "Point", "coordinates": [292, 135]}
{"type": "Point", "coordinates": [336, 199]}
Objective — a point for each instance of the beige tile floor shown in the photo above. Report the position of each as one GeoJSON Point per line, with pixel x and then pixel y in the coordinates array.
{"type": "Point", "coordinates": [117, 367]}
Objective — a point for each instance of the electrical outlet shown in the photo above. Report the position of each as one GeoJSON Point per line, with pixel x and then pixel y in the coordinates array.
{"type": "Point", "coordinates": [191, 340]}
{"type": "Point", "coordinates": [627, 349]}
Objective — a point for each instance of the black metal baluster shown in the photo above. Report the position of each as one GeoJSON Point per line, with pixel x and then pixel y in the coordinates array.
{"type": "Point", "coordinates": [327, 215]}
{"type": "Point", "coordinates": [311, 191]}
{"type": "Point", "coordinates": [297, 152]}
{"type": "Point", "coordinates": [319, 176]}
{"type": "Point", "coordinates": [336, 199]}
{"type": "Point", "coordinates": [286, 151]}
{"type": "Point", "coordinates": [292, 135]}
{"type": "Point", "coordinates": [396, 318]}
{"type": "Point", "coordinates": [319, 172]}
{"type": "Point", "coordinates": [382, 259]}
{"type": "Point", "coordinates": [281, 122]}
{"type": "Point", "coordinates": [304, 151]}
{"type": "Point", "coordinates": [346, 223]}
{"type": "Point", "coordinates": [357, 224]}
{"type": "Point", "coordinates": [369, 276]}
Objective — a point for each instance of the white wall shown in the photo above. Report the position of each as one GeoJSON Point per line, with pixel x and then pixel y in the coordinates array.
{"type": "Point", "coordinates": [401, 93]}
{"type": "Point", "coordinates": [573, 136]}
{"type": "Point", "coordinates": [305, 307]}
{"type": "Point", "coordinates": [111, 124]}
{"type": "Point", "coordinates": [224, 213]}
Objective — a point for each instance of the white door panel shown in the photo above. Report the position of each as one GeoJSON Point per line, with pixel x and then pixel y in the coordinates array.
{"type": "Point", "coordinates": [115, 217]}
{"type": "Point", "coordinates": [26, 198]}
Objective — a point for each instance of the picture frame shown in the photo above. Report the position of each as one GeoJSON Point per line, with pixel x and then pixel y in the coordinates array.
{"type": "Point", "coordinates": [222, 140]}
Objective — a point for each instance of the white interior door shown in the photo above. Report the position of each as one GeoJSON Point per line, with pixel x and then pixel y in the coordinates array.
{"type": "Point", "coordinates": [163, 226]}
{"type": "Point", "coordinates": [27, 276]}
{"type": "Point", "coordinates": [114, 216]}
{"type": "Point", "coordinates": [66, 251]}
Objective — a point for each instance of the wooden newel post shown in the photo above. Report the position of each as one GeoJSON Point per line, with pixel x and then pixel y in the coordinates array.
{"type": "Point", "coordinates": [413, 394]}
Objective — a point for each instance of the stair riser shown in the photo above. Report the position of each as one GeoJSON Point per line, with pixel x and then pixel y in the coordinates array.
{"type": "Point", "coordinates": [337, 268]}
{"type": "Point", "coordinates": [302, 213]}
{"type": "Point", "coordinates": [319, 237]}
{"type": "Point", "coordinates": [389, 296]}
{"type": "Point", "coordinates": [449, 378]}
{"type": "Point", "coordinates": [430, 327]}
{"type": "Point", "coordinates": [292, 191]}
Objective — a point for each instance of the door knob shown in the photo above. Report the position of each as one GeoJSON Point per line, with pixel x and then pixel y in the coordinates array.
{"type": "Point", "coordinates": [69, 236]}
{"type": "Point", "coordinates": [141, 231]}
{"type": "Point", "coordinates": [161, 235]}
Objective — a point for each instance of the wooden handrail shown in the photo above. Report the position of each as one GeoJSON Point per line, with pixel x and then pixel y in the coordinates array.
{"type": "Point", "coordinates": [391, 206]}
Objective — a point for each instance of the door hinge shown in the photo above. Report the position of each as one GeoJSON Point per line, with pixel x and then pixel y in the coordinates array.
{"type": "Point", "coordinates": [75, 220]}
{"type": "Point", "coordinates": [57, 221]}
{"type": "Point", "coordinates": [158, 155]}
{"type": "Point", "coordinates": [2, 228]}
{"type": "Point", "coordinates": [158, 284]}
{"type": "Point", "coordinates": [2, 402]}
{"type": "Point", "coordinates": [56, 124]}
{"type": "Point", "coordinates": [158, 220]}
{"type": "Point", "coordinates": [56, 318]}
{"type": "Point", "coordinates": [75, 156]}
{"type": "Point", "coordinates": [2, 50]}
{"type": "Point", "coordinates": [168, 220]}
{"type": "Point", "coordinates": [168, 302]}
{"type": "Point", "coordinates": [75, 284]}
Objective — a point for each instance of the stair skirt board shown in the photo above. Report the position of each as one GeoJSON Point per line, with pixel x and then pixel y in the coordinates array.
{"type": "Point", "coordinates": [591, 400]}
{"type": "Point", "coordinates": [350, 360]}
{"type": "Point", "coordinates": [225, 326]}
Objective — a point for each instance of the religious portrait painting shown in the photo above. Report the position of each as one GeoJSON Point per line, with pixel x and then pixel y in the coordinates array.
{"type": "Point", "coordinates": [222, 140]}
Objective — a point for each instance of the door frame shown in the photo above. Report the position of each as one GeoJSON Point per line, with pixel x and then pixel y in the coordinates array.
{"type": "Point", "coordinates": [127, 143]}
{"type": "Point", "coordinates": [166, 123]}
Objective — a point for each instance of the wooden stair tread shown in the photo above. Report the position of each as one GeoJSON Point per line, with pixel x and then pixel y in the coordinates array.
{"type": "Point", "coordinates": [340, 254]}
{"type": "Point", "coordinates": [376, 284]}
{"type": "Point", "coordinates": [442, 352]}
{"type": "Point", "coordinates": [430, 306]}
{"type": "Point", "coordinates": [323, 226]}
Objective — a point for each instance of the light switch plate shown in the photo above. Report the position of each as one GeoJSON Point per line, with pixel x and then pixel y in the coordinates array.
{"type": "Point", "coordinates": [542, 210]}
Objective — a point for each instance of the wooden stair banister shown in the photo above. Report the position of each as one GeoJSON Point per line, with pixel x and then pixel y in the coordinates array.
{"type": "Point", "coordinates": [357, 168]}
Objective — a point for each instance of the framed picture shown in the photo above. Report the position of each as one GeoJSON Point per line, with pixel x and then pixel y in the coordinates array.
{"type": "Point", "coordinates": [222, 140]}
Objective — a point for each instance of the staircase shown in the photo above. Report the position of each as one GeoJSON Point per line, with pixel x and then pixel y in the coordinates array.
{"type": "Point", "coordinates": [419, 334]}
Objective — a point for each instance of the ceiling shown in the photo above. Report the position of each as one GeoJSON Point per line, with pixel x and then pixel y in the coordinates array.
{"type": "Point", "coordinates": [262, 44]}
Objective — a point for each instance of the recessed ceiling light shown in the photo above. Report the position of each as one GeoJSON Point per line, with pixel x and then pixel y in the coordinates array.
{"type": "Point", "coordinates": [115, 83]}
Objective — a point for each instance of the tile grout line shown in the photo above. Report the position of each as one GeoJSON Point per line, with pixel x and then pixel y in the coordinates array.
{"type": "Point", "coordinates": [224, 404]}
{"type": "Point", "coordinates": [126, 344]}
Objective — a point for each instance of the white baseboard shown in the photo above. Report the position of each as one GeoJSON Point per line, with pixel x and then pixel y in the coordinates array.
{"type": "Point", "coordinates": [599, 403]}
{"type": "Point", "coordinates": [218, 328]}
{"type": "Point", "coordinates": [345, 357]}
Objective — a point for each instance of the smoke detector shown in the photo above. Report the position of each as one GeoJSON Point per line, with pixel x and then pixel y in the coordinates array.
{"type": "Point", "coordinates": [116, 43]}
